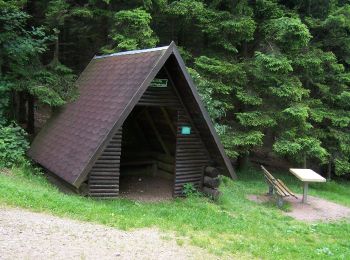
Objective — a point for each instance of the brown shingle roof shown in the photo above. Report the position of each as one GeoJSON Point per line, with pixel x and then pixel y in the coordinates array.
{"type": "Point", "coordinates": [109, 88]}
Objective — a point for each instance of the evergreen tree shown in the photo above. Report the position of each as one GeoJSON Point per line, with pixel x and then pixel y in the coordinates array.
{"type": "Point", "coordinates": [274, 75]}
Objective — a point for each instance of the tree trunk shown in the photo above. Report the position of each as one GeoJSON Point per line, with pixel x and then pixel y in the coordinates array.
{"type": "Point", "coordinates": [242, 161]}
{"type": "Point", "coordinates": [304, 162]}
{"type": "Point", "coordinates": [55, 59]}
{"type": "Point", "coordinates": [30, 118]}
{"type": "Point", "coordinates": [22, 111]}
{"type": "Point", "coordinates": [329, 169]}
{"type": "Point", "coordinates": [1, 62]}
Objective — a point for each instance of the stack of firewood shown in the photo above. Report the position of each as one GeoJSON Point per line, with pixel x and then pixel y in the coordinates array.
{"type": "Point", "coordinates": [211, 182]}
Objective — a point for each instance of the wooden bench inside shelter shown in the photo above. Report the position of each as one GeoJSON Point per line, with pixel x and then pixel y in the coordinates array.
{"type": "Point", "coordinates": [277, 187]}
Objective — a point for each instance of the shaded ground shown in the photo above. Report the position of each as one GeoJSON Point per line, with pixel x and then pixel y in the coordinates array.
{"type": "Point", "coordinates": [146, 188]}
{"type": "Point", "coordinates": [316, 209]}
{"type": "Point", "coordinates": [28, 235]}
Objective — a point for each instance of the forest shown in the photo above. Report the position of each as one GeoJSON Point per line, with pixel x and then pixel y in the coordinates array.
{"type": "Point", "coordinates": [273, 74]}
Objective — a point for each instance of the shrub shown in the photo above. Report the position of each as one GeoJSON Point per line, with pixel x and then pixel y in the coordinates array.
{"type": "Point", "coordinates": [189, 190]}
{"type": "Point", "coordinates": [13, 144]}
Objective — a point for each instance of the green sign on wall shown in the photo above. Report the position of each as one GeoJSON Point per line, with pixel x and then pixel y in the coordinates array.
{"type": "Point", "coordinates": [186, 130]}
{"type": "Point", "coordinates": [159, 83]}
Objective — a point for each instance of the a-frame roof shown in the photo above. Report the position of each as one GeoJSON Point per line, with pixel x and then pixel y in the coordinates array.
{"type": "Point", "coordinates": [109, 87]}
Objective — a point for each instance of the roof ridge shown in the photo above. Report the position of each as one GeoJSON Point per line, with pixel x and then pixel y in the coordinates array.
{"type": "Point", "coordinates": [132, 52]}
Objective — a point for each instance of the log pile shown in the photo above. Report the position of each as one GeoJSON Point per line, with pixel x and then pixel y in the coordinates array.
{"type": "Point", "coordinates": [211, 182]}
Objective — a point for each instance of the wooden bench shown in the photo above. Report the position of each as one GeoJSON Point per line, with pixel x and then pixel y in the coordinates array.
{"type": "Point", "coordinates": [277, 187]}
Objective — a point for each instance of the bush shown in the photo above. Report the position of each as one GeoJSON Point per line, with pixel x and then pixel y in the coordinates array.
{"type": "Point", "coordinates": [13, 145]}
{"type": "Point", "coordinates": [189, 190]}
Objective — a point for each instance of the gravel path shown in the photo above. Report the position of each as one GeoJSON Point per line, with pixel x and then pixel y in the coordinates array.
{"type": "Point", "coordinates": [28, 235]}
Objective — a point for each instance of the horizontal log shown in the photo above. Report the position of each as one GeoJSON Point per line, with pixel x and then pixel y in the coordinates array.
{"type": "Point", "coordinates": [112, 190]}
{"type": "Point", "coordinates": [109, 149]}
{"type": "Point", "coordinates": [110, 166]}
{"type": "Point", "coordinates": [113, 146]}
{"type": "Point", "coordinates": [190, 152]}
{"type": "Point", "coordinates": [193, 159]}
{"type": "Point", "coordinates": [189, 141]}
{"type": "Point", "coordinates": [109, 175]}
{"type": "Point", "coordinates": [163, 158]}
{"type": "Point", "coordinates": [211, 171]}
{"type": "Point", "coordinates": [108, 171]}
{"type": "Point", "coordinates": [179, 186]}
{"type": "Point", "coordinates": [103, 182]}
{"type": "Point", "coordinates": [185, 168]}
{"type": "Point", "coordinates": [110, 155]}
{"type": "Point", "coordinates": [188, 172]}
{"type": "Point", "coordinates": [211, 182]}
{"type": "Point", "coordinates": [103, 185]}
{"type": "Point", "coordinates": [166, 167]}
{"type": "Point", "coordinates": [91, 184]}
{"type": "Point", "coordinates": [100, 175]}
{"type": "Point", "coordinates": [197, 175]}
{"type": "Point", "coordinates": [109, 162]}
{"type": "Point", "coordinates": [150, 103]}
{"type": "Point", "coordinates": [213, 193]}
{"type": "Point", "coordinates": [192, 180]}
{"type": "Point", "coordinates": [104, 195]}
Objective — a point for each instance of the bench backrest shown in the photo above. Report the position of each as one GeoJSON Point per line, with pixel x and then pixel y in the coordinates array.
{"type": "Point", "coordinates": [267, 174]}
{"type": "Point", "coordinates": [278, 185]}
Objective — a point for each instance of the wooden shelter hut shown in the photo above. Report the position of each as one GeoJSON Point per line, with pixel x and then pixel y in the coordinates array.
{"type": "Point", "coordinates": [138, 111]}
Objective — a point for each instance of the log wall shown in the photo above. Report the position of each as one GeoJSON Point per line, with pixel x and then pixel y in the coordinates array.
{"type": "Point", "coordinates": [159, 97]}
{"type": "Point", "coordinates": [103, 179]}
{"type": "Point", "coordinates": [191, 155]}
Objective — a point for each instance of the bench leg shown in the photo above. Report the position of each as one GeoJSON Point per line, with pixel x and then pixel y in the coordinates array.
{"type": "Point", "coordinates": [279, 201]}
{"type": "Point", "coordinates": [270, 193]}
{"type": "Point", "coordinates": [154, 169]}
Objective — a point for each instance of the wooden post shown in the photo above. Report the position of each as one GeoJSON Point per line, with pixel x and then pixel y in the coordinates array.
{"type": "Point", "coordinates": [270, 193]}
{"type": "Point", "coordinates": [159, 137]}
{"type": "Point", "coordinates": [306, 187]}
{"type": "Point", "coordinates": [168, 120]}
{"type": "Point", "coordinates": [279, 201]}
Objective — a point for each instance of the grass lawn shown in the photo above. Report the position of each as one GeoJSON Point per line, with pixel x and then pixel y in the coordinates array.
{"type": "Point", "coordinates": [234, 226]}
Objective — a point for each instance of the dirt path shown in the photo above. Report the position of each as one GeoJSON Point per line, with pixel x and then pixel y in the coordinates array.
{"type": "Point", "coordinates": [316, 209]}
{"type": "Point", "coordinates": [28, 235]}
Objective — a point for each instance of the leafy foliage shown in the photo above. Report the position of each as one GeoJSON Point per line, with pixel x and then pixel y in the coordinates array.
{"type": "Point", "coordinates": [13, 145]}
{"type": "Point", "coordinates": [131, 31]}
{"type": "Point", "coordinates": [20, 65]}
{"type": "Point", "coordinates": [189, 190]}
{"type": "Point", "coordinates": [274, 75]}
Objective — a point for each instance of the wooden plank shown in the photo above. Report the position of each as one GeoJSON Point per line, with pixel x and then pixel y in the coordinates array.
{"type": "Point", "coordinates": [168, 120]}
{"type": "Point", "coordinates": [286, 188]}
{"type": "Point", "coordinates": [158, 135]}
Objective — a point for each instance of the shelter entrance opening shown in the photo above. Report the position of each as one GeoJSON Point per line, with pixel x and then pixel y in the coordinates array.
{"type": "Point", "coordinates": [148, 157]}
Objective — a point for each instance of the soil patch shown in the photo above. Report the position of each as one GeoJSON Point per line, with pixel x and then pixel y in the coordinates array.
{"type": "Point", "coordinates": [316, 209]}
{"type": "Point", "coordinates": [146, 188]}
{"type": "Point", "coordinates": [5, 171]}
{"type": "Point", "coordinates": [28, 235]}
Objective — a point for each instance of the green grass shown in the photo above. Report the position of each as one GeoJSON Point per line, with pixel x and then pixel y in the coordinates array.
{"type": "Point", "coordinates": [234, 226]}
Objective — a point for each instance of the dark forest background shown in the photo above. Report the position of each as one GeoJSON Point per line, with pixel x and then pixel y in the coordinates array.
{"type": "Point", "coordinates": [274, 75]}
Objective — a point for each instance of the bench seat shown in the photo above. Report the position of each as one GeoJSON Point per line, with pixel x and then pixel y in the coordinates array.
{"type": "Point", "coordinates": [278, 187]}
